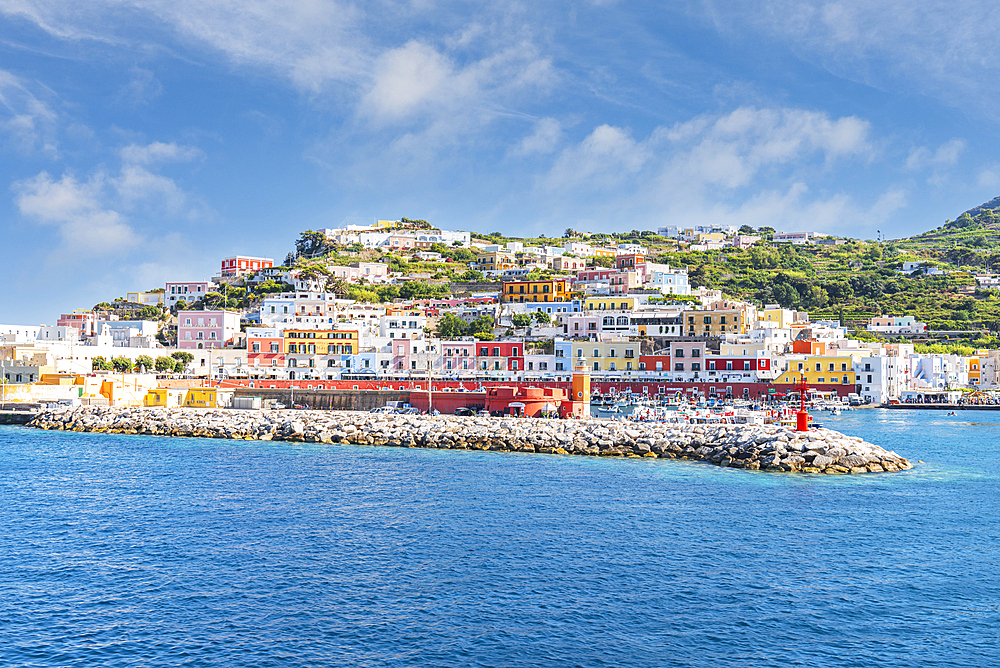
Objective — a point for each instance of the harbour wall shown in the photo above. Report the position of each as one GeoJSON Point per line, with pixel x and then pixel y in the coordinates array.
{"type": "Point", "coordinates": [754, 447]}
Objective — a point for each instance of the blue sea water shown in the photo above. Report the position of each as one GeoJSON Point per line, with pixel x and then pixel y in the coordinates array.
{"type": "Point", "coordinates": [143, 551]}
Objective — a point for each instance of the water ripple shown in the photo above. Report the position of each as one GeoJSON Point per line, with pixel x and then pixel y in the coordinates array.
{"type": "Point", "coordinates": [135, 551]}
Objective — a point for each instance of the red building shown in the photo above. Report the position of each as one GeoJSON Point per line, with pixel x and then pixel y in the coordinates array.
{"type": "Point", "coordinates": [243, 264]}
{"type": "Point", "coordinates": [500, 355]}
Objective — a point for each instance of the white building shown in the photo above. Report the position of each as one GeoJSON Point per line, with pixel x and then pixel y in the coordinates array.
{"type": "Point", "coordinates": [188, 292]}
{"type": "Point", "coordinates": [881, 377]}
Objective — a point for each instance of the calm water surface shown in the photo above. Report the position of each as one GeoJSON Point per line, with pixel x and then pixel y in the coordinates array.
{"type": "Point", "coordinates": [141, 551]}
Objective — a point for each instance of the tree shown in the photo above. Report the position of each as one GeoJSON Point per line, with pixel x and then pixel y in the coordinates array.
{"type": "Point", "coordinates": [484, 336]}
{"type": "Point", "coordinates": [165, 364]}
{"type": "Point", "coordinates": [471, 276]}
{"type": "Point", "coordinates": [311, 244]}
{"type": "Point", "coordinates": [481, 325]}
{"type": "Point", "coordinates": [180, 367]}
{"type": "Point", "coordinates": [122, 364]}
{"type": "Point", "coordinates": [100, 364]}
{"type": "Point", "coordinates": [746, 229]}
{"type": "Point", "coordinates": [149, 313]}
{"type": "Point", "coordinates": [451, 326]}
{"type": "Point", "coordinates": [602, 261]}
{"type": "Point", "coordinates": [145, 362]}
{"type": "Point", "coordinates": [521, 320]}
{"type": "Point", "coordinates": [182, 356]}
{"type": "Point", "coordinates": [542, 317]}
{"type": "Point", "coordinates": [570, 232]}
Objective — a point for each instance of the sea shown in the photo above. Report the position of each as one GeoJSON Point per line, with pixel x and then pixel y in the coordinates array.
{"type": "Point", "coordinates": [143, 551]}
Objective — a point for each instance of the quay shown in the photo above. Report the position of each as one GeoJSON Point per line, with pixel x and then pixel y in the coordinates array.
{"type": "Point", "coordinates": [17, 417]}
{"type": "Point", "coordinates": [941, 407]}
{"type": "Point", "coordinates": [755, 447]}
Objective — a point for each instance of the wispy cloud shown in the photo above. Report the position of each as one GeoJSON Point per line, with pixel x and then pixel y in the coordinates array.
{"type": "Point", "coordinates": [26, 123]}
{"type": "Point", "coordinates": [945, 49]}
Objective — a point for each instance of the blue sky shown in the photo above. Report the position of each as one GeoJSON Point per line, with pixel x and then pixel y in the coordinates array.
{"type": "Point", "coordinates": [144, 141]}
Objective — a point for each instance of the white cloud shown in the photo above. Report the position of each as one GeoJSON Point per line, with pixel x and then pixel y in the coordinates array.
{"type": "Point", "coordinates": [78, 209]}
{"type": "Point", "coordinates": [989, 178]}
{"type": "Point", "coordinates": [943, 48]}
{"type": "Point", "coordinates": [28, 123]}
{"type": "Point", "coordinates": [159, 152]}
{"type": "Point", "coordinates": [750, 166]}
{"type": "Point", "coordinates": [605, 157]}
{"type": "Point", "coordinates": [142, 88]}
{"type": "Point", "coordinates": [946, 155]}
{"type": "Point", "coordinates": [548, 132]}
{"type": "Point", "coordinates": [94, 215]}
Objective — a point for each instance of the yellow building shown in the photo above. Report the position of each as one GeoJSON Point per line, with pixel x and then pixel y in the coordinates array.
{"type": "Point", "coordinates": [610, 303]}
{"type": "Point", "coordinates": [201, 397]}
{"type": "Point", "coordinates": [741, 349]}
{"type": "Point", "coordinates": [555, 290]}
{"type": "Point", "coordinates": [617, 355]}
{"type": "Point", "coordinates": [606, 252]}
{"type": "Point", "coordinates": [819, 370]}
{"type": "Point", "coordinates": [711, 236]}
{"type": "Point", "coordinates": [776, 317]}
{"type": "Point", "coordinates": [716, 323]}
{"type": "Point", "coordinates": [975, 364]}
{"type": "Point", "coordinates": [145, 298]}
{"type": "Point", "coordinates": [320, 341]}
{"type": "Point", "coordinates": [495, 261]}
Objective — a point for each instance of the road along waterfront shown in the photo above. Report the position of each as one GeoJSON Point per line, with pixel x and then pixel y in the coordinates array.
{"type": "Point", "coordinates": [753, 447]}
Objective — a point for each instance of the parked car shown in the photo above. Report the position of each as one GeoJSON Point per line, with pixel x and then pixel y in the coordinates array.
{"type": "Point", "coordinates": [465, 410]}
{"type": "Point", "coordinates": [408, 411]}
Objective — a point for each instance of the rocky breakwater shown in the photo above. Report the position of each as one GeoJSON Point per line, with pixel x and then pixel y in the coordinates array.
{"type": "Point", "coordinates": [765, 448]}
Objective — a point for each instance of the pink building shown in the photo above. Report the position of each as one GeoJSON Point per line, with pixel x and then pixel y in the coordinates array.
{"type": "Point", "coordinates": [206, 329]}
{"type": "Point", "coordinates": [189, 292]}
{"type": "Point", "coordinates": [86, 323]}
{"type": "Point", "coordinates": [244, 264]}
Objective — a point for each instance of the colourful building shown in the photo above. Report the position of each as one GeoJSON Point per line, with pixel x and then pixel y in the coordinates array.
{"type": "Point", "coordinates": [238, 265]}
{"type": "Point", "coordinates": [555, 290]}
{"type": "Point", "coordinates": [819, 370]}
{"type": "Point", "coordinates": [609, 303]}
{"type": "Point", "coordinates": [716, 322]}
{"type": "Point", "coordinates": [206, 329]}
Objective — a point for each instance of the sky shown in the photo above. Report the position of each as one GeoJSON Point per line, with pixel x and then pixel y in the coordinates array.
{"type": "Point", "coordinates": [144, 141]}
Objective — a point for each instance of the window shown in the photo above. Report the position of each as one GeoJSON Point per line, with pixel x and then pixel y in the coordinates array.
{"type": "Point", "coordinates": [274, 347]}
{"type": "Point", "coordinates": [695, 366]}
{"type": "Point", "coordinates": [746, 366]}
{"type": "Point", "coordinates": [845, 381]}
{"type": "Point", "coordinates": [597, 353]}
{"type": "Point", "coordinates": [800, 366]}
{"type": "Point", "coordinates": [819, 367]}
{"type": "Point", "coordinates": [708, 320]}
{"type": "Point", "coordinates": [695, 352]}
{"type": "Point", "coordinates": [611, 352]}
{"type": "Point", "coordinates": [256, 347]}
{"type": "Point", "coordinates": [543, 366]}
{"type": "Point", "coordinates": [483, 352]}
{"type": "Point", "coordinates": [869, 378]}
{"type": "Point", "coordinates": [597, 366]}
{"type": "Point", "coordinates": [843, 367]}
{"type": "Point", "coordinates": [711, 366]}
{"type": "Point", "coordinates": [821, 379]}
{"type": "Point", "coordinates": [729, 366]}
{"type": "Point", "coordinates": [679, 352]}
{"type": "Point", "coordinates": [679, 366]}
{"type": "Point", "coordinates": [496, 365]}
{"type": "Point", "coordinates": [628, 366]}
{"type": "Point", "coordinates": [513, 352]}
{"type": "Point", "coordinates": [496, 352]}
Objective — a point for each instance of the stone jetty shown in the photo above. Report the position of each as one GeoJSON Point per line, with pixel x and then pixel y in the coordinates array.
{"type": "Point", "coordinates": [763, 448]}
